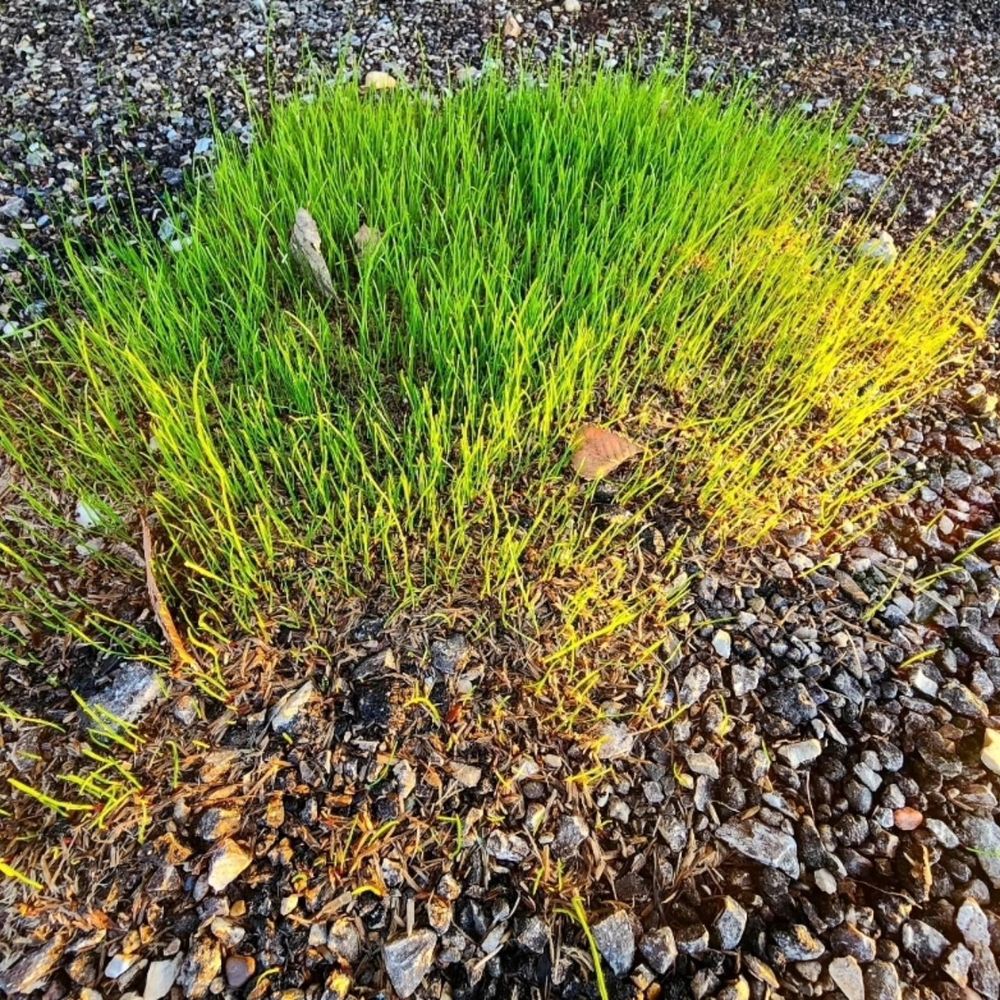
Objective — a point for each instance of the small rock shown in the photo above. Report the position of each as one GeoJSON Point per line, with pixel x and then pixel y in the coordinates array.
{"type": "Point", "coordinates": [160, 977]}
{"type": "Point", "coordinates": [33, 970]}
{"type": "Point", "coordinates": [907, 818]}
{"type": "Point", "coordinates": [508, 847]}
{"type": "Point", "coordinates": [226, 861]}
{"type": "Point", "coordinates": [571, 6]}
{"type": "Point", "coordinates": [762, 843]}
{"type": "Point", "coordinates": [377, 80]}
{"type": "Point", "coordinates": [825, 881]}
{"type": "Point", "coordinates": [9, 245]}
{"type": "Point", "coordinates": [695, 684]}
{"type": "Point", "coordinates": [615, 741]}
{"type": "Point", "coordinates": [512, 27]}
{"type": "Point", "coordinates": [240, 970]}
{"type": "Point", "coordinates": [745, 679]}
{"type": "Point", "coordinates": [972, 923]}
{"type": "Point", "coordinates": [307, 251]}
{"type": "Point", "coordinates": [984, 974]}
{"type": "Point", "coordinates": [119, 965]}
{"type": "Point", "coordinates": [990, 754]}
{"type": "Point", "coordinates": [981, 835]}
{"type": "Point", "coordinates": [572, 832]}
{"type": "Point", "coordinates": [797, 944]}
{"type": "Point", "coordinates": [691, 939]}
{"type": "Point", "coordinates": [288, 714]}
{"type": "Point", "coordinates": [534, 936]}
{"type": "Point", "coordinates": [408, 960]}
{"type": "Point", "coordinates": [962, 701]}
{"type": "Point", "coordinates": [344, 940]}
{"type": "Point", "coordinates": [722, 643]}
{"type": "Point", "coordinates": [703, 763]}
{"type": "Point", "coordinates": [846, 974]}
{"type": "Point", "coordinates": [730, 924]}
{"type": "Point", "coordinates": [974, 641]}
{"type": "Point", "coordinates": [849, 940]}
{"type": "Point", "coordinates": [659, 949]}
{"type": "Point", "coordinates": [922, 942]}
{"type": "Point", "coordinates": [216, 823]}
{"type": "Point", "coordinates": [615, 938]}
{"type": "Point", "coordinates": [864, 183]}
{"type": "Point", "coordinates": [797, 754]}
{"type": "Point", "coordinates": [881, 250]}
{"type": "Point", "coordinates": [12, 207]}
{"type": "Point", "coordinates": [882, 982]}
{"type": "Point", "coordinates": [134, 687]}
{"type": "Point", "coordinates": [451, 655]}
{"type": "Point", "coordinates": [958, 965]}
{"type": "Point", "coordinates": [793, 703]}
{"type": "Point", "coordinates": [202, 965]}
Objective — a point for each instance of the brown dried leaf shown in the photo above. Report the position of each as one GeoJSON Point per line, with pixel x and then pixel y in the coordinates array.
{"type": "Point", "coordinates": [305, 247]}
{"type": "Point", "coordinates": [597, 451]}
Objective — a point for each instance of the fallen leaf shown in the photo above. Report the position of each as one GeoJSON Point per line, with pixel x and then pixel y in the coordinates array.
{"type": "Point", "coordinates": [597, 451]}
{"type": "Point", "coordinates": [377, 80]}
{"type": "Point", "coordinates": [305, 247]}
{"type": "Point", "coordinates": [908, 818]}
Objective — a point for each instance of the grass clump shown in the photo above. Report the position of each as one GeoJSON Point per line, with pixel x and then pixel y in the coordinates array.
{"type": "Point", "coordinates": [588, 248]}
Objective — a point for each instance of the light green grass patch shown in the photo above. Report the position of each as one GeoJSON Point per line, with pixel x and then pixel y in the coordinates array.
{"type": "Point", "coordinates": [592, 248]}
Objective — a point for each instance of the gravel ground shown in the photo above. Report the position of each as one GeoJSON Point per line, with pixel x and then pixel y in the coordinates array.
{"type": "Point", "coordinates": [823, 818]}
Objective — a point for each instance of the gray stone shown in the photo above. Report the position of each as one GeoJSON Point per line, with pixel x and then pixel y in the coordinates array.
{"type": "Point", "coordinates": [450, 655]}
{"type": "Point", "coordinates": [793, 703]}
{"type": "Point", "coordinates": [659, 950]}
{"type": "Point", "coordinates": [615, 741]}
{"type": "Point", "coordinates": [943, 833]}
{"type": "Point", "coordinates": [972, 923]}
{"type": "Point", "coordinates": [160, 977]}
{"type": "Point", "coordinates": [615, 938]}
{"type": "Point", "coordinates": [862, 182]}
{"type": "Point", "coordinates": [202, 965]}
{"type": "Point", "coordinates": [408, 960]}
{"type": "Point", "coordinates": [692, 939]}
{"type": "Point", "coordinates": [306, 248]}
{"type": "Point", "coordinates": [730, 924]}
{"type": "Point", "coordinates": [958, 965]}
{"type": "Point", "coordinates": [33, 970]}
{"type": "Point", "coordinates": [571, 833]}
{"type": "Point", "coordinates": [534, 935]}
{"type": "Point", "coordinates": [847, 976]}
{"type": "Point", "coordinates": [982, 836]}
{"type": "Point", "coordinates": [344, 940]}
{"type": "Point", "coordinates": [801, 752]}
{"type": "Point", "coordinates": [215, 823]}
{"type": "Point", "coordinates": [12, 207]}
{"type": "Point", "coordinates": [134, 687]}
{"type": "Point", "coordinates": [703, 763]}
{"type": "Point", "coordinates": [695, 684]}
{"type": "Point", "coordinates": [797, 943]}
{"type": "Point", "coordinates": [226, 862]}
{"type": "Point", "coordinates": [880, 250]}
{"type": "Point", "coordinates": [849, 940]}
{"type": "Point", "coordinates": [984, 974]}
{"type": "Point", "coordinates": [962, 701]}
{"type": "Point", "coordinates": [923, 943]}
{"type": "Point", "coordinates": [722, 643]}
{"type": "Point", "coordinates": [507, 847]}
{"type": "Point", "coordinates": [762, 843]}
{"type": "Point", "coordinates": [9, 245]}
{"type": "Point", "coordinates": [974, 641]}
{"type": "Point", "coordinates": [744, 679]}
{"type": "Point", "coordinates": [290, 712]}
{"type": "Point", "coordinates": [882, 982]}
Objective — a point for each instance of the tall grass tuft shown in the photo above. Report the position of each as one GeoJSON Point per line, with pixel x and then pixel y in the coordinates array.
{"type": "Point", "coordinates": [581, 248]}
